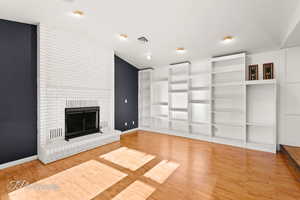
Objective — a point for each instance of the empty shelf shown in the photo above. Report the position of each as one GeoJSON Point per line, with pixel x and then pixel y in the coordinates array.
{"type": "Point", "coordinates": [206, 87]}
{"type": "Point", "coordinates": [179, 120]}
{"type": "Point", "coordinates": [178, 91]}
{"type": "Point", "coordinates": [179, 109]}
{"type": "Point", "coordinates": [226, 98]}
{"type": "Point", "coordinates": [200, 123]}
{"type": "Point", "coordinates": [234, 124]}
{"type": "Point", "coordinates": [145, 117]}
{"type": "Point", "coordinates": [185, 76]}
{"type": "Point", "coordinates": [160, 104]}
{"type": "Point", "coordinates": [200, 101]}
{"type": "Point", "coordinates": [161, 116]}
{"type": "Point", "coordinates": [261, 82]}
{"type": "Point", "coordinates": [160, 80]}
{"type": "Point", "coordinates": [179, 82]}
{"type": "Point", "coordinates": [227, 84]}
{"type": "Point", "coordinates": [198, 75]}
{"type": "Point", "coordinates": [224, 110]}
{"type": "Point", "coordinates": [227, 71]}
{"type": "Point", "coordinates": [264, 124]}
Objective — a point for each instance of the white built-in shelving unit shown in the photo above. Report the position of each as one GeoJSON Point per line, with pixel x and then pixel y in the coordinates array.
{"type": "Point", "coordinates": [261, 115]}
{"type": "Point", "coordinates": [145, 98]}
{"type": "Point", "coordinates": [212, 101]}
{"type": "Point", "coordinates": [178, 97]}
{"type": "Point", "coordinates": [160, 99]}
{"type": "Point", "coordinates": [228, 107]}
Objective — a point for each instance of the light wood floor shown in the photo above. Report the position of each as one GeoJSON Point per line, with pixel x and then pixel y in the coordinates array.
{"type": "Point", "coordinates": [71, 183]}
{"type": "Point", "coordinates": [128, 158]}
{"type": "Point", "coordinates": [206, 170]}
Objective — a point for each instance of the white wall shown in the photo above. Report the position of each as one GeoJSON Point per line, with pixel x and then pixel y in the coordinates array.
{"type": "Point", "coordinates": [74, 71]}
{"type": "Point", "coordinates": [290, 115]}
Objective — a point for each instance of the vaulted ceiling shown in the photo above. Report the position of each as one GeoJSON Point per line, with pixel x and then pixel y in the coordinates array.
{"type": "Point", "coordinates": [197, 25]}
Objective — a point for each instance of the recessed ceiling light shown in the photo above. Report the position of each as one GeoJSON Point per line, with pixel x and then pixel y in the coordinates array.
{"type": "Point", "coordinates": [180, 50]}
{"type": "Point", "coordinates": [227, 39]}
{"type": "Point", "coordinates": [148, 56]}
{"type": "Point", "coordinates": [123, 36]}
{"type": "Point", "coordinates": [78, 13]}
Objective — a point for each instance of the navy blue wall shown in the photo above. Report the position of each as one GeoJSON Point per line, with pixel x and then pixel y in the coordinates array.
{"type": "Point", "coordinates": [18, 89]}
{"type": "Point", "coordinates": [126, 87]}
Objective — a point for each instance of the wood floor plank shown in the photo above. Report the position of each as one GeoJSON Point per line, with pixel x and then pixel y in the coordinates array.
{"type": "Point", "coordinates": [207, 171]}
{"type": "Point", "coordinates": [136, 191]}
{"type": "Point", "coordinates": [82, 182]}
{"type": "Point", "coordinates": [128, 158]}
{"type": "Point", "coordinates": [162, 171]}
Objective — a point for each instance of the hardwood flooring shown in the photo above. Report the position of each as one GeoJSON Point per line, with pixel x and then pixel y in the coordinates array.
{"type": "Point", "coordinates": [162, 171]}
{"type": "Point", "coordinates": [206, 171]}
{"type": "Point", "coordinates": [294, 152]}
{"type": "Point", "coordinates": [71, 183]}
{"type": "Point", "coordinates": [136, 191]}
{"type": "Point", "coordinates": [128, 158]}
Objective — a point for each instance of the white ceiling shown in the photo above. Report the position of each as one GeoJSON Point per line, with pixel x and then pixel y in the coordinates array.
{"type": "Point", "coordinates": [197, 25]}
{"type": "Point", "coordinates": [292, 37]}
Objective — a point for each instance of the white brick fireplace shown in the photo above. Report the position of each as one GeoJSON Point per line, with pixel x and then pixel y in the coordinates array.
{"type": "Point", "coordinates": [74, 71]}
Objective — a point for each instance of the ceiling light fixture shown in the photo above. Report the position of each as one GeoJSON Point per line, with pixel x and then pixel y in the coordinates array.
{"type": "Point", "coordinates": [123, 37]}
{"type": "Point", "coordinates": [227, 39]}
{"type": "Point", "coordinates": [78, 13]}
{"type": "Point", "coordinates": [149, 57]}
{"type": "Point", "coordinates": [180, 50]}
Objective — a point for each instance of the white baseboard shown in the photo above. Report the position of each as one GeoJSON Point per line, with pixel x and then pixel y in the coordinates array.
{"type": "Point", "coordinates": [18, 162]}
{"type": "Point", "coordinates": [260, 147]}
{"type": "Point", "coordinates": [131, 130]}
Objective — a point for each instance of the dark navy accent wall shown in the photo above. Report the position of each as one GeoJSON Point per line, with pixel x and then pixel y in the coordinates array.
{"type": "Point", "coordinates": [126, 87]}
{"type": "Point", "coordinates": [18, 89]}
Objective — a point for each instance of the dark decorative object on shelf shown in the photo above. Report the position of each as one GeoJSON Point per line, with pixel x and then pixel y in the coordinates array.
{"type": "Point", "coordinates": [268, 70]}
{"type": "Point", "coordinates": [253, 72]}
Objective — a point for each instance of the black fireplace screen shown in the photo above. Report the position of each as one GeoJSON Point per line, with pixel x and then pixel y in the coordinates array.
{"type": "Point", "coordinates": [81, 121]}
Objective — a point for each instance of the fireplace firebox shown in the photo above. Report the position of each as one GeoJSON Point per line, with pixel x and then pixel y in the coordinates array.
{"type": "Point", "coordinates": [81, 121]}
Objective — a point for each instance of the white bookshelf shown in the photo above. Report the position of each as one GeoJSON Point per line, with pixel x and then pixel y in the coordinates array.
{"type": "Point", "coordinates": [145, 98]}
{"type": "Point", "coordinates": [213, 101]}
{"type": "Point", "coordinates": [160, 99]}
{"type": "Point", "coordinates": [228, 116]}
{"type": "Point", "coordinates": [178, 97]}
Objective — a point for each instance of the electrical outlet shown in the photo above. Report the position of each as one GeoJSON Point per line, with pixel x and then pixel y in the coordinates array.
{"type": "Point", "coordinates": [125, 101]}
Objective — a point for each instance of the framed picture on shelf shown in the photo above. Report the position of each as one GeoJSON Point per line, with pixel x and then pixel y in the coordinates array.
{"type": "Point", "coordinates": [253, 72]}
{"type": "Point", "coordinates": [268, 70]}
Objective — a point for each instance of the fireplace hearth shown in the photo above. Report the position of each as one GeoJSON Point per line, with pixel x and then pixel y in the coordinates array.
{"type": "Point", "coordinates": [81, 121]}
